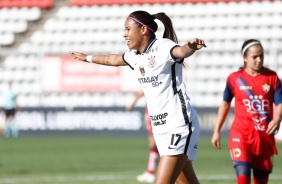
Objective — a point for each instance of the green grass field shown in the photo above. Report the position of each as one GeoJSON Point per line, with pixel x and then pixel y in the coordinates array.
{"type": "Point", "coordinates": [97, 159]}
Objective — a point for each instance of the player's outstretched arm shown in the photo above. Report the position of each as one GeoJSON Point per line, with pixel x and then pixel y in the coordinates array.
{"type": "Point", "coordinates": [188, 49]}
{"type": "Point", "coordinates": [109, 59]}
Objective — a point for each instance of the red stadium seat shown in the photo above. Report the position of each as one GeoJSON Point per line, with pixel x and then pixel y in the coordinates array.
{"type": "Point", "coordinates": [26, 3]}
{"type": "Point", "coordinates": [121, 2]}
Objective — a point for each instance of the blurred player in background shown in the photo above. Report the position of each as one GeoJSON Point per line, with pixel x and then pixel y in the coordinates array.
{"type": "Point", "coordinates": [149, 175]}
{"type": "Point", "coordinates": [157, 64]}
{"type": "Point", "coordinates": [278, 136]}
{"type": "Point", "coordinates": [10, 109]}
{"type": "Point", "coordinates": [251, 140]}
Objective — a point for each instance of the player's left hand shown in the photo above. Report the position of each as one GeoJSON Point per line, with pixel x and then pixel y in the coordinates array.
{"type": "Point", "coordinates": [196, 44]}
{"type": "Point", "coordinates": [78, 55]}
{"type": "Point", "coordinates": [273, 127]}
{"type": "Point", "coordinates": [216, 140]}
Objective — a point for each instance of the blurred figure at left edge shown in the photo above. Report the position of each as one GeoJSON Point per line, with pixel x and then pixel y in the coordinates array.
{"type": "Point", "coordinates": [10, 109]}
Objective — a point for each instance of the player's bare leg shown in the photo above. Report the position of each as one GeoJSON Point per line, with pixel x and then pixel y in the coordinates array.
{"type": "Point", "coordinates": [153, 155]}
{"type": "Point", "coordinates": [151, 140]}
{"type": "Point", "coordinates": [149, 175]}
{"type": "Point", "coordinates": [169, 168]}
{"type": "Point", "coordinates": [188, 175]}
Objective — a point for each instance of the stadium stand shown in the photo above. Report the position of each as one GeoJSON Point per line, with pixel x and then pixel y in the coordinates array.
{"type": "Point", "coordinates": [90, 26]}
{"type": "Point", "coordinates": [14, 21]}
{"type": "Point", "coordinates": [26, 3]}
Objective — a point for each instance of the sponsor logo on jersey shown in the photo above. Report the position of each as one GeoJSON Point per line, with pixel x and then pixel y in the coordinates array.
{"type": "Point", "coordinates": [162, 122]}
{"type": "Point", "coordinates": [245, 87]}
{"type": "Point", "coordinates": [171, 147]}
{"type": "Point", "coordinates": [265, 88]}
{"type": "Point", "coordinates": [152, 61]}
{"type": "Point", "coordinates": [257, 105]}
{"type": "Point", "coordinates": [259, 109]}
{"type": "Point", "coordinates": [147, 79]}
{"type": "Point", "coordinates": [153, 80]}
{"type": "Point", "coordinates": [236, 140]}
{"type": "Point", "coordinates": [236, 152]}
{"type": "Point", "coordinates": [154, 49]}
{"type": "Point", "coordinates": [258, 122]}
{"type": "Point", "coordinates": [159, 116]}
{"type": "Point", "coordinates": [142, 70]}
{"type": "Point", "coordinates": [159, 119]}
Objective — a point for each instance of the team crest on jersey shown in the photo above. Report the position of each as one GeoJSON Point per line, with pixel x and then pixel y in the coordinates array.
{"type": "Point", "coordinates": [142, 70]}
{"type": "Point", "coordinates": [265, 88]}
{"type": "Point", "coordinates": [152, 61]}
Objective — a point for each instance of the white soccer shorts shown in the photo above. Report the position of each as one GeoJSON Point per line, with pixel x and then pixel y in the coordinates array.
{"type": "Point", "coordinates": [180, 140]}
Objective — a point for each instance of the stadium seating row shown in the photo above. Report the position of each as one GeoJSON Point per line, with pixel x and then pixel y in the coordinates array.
{"type": "Point", "coordinates": [31, 96]}
{"type": "Point", "coordinates": [13, 26]}
{"type": "Point", "coordinates": [120, 2]}
{"type": "Point", "coordinates": [7, 38]}
{"type": "Point", "coordinates": [195, 6]}
{"type": "Point", "coordinates": [207, 22]}
{"type": "Point", "coordinates": [191, 10]}
{"type": "Point", "coordinates": [26, 3]}
{"type": "Point", "coordinates": [14, 21]}
{"type": "Point", "coordinates": [63, 42]}
{"type": "Point", "coordinates": [23, 62]}
{"type": "Point", "coordinates": [26, 14]}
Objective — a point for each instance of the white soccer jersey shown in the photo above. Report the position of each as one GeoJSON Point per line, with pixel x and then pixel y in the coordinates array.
{"type": "Point", "coordinates": [160, 77]}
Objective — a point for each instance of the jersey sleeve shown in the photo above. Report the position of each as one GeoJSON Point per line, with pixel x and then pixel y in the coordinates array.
{"type": "Point", "coordinates": [128, 58]}
{"type": "Point", "coordinates": [277, 92]}
{"type": "Point", "coordinates": [178, 60]}
{"type": "Point", "coordinates": [228, 91]}
{"type": "Point", "coordinates": [167, 46]}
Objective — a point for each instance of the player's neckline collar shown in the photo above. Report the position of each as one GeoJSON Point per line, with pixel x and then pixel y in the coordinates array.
{"type": "Point", "coordinates": [152, 41]}
{"type": "Point", "coordinates": [256, 74]}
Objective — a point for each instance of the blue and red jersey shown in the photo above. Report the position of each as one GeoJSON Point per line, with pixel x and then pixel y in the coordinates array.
{"type": "Point", "coordinates": [254, 98]}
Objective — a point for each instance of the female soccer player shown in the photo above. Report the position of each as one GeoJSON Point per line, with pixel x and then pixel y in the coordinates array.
{"type": "Point", "coordinates": [11, 107]}
{"type": "Point", "coordinates": [251, 140]}
{"type": "Point", "coordinates": [157, 64]}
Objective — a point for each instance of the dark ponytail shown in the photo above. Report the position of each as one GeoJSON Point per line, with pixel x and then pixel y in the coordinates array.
{"type": "Point", "coordinates": [169, 31]}
{"type": "Point", "coordinates": [144, 18]}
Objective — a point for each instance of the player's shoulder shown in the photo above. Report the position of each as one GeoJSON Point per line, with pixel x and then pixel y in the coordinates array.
{"type": "Point", "coordinates": [237, 72]}
{"type": "Point", "coordinates": [268, 71]}
{"type": "Point", "coordinates": [163, 45]}
{"type": "Point", "coordinates": [130, 53]}
{"type": "Point", "coordinates": [164, 41]}
{"type": "Point", "coordinates": [161, 40]}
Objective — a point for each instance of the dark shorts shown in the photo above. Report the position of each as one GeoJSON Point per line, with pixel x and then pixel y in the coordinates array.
{"type": "Point", "coordinates": [10, 113]}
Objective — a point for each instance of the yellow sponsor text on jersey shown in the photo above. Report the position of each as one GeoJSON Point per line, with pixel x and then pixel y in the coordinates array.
{"type": "Point", "coordinates": [245, 87]}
